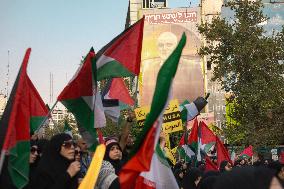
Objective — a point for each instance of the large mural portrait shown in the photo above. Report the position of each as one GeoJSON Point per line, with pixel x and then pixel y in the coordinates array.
{"type": "Point", "coordinates": [162, 31]}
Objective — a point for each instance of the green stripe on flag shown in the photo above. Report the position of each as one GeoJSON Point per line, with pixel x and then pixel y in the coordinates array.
{"type": "Point", "coordinates": [208, 146]}
{"type": "Point", "coordinates": [19, 163]}
{"type": "Point", "coordinates": [162, 88]}
{"type": "Point", "coordinates": [83, 114]}
{"type": "Point", "coordinates": [161, 156]}
{"type": "Point", "coordinates": [113, 69]}
{"type": "Point", "coordinates": [35, 122]}
{"type": "Point", "coordinates": [194, 146]}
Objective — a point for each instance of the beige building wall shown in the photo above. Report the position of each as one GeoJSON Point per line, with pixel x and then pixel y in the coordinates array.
{"type": "Point", "coordinates": [212, 7]}
{"type": "Point", "coordinates": [3, 100]}
{"type": "Point", "coordinates": [216, 101]}
{"type": "Point", "coordinates": [135, 6]}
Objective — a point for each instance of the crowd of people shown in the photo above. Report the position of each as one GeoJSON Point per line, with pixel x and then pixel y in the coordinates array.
{"type": "Point", "coordinates": [242, 174]}
{"type": "Point", "coordinates": [62, 162]}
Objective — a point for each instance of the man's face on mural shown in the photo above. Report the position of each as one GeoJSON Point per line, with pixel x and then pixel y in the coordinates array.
{"type": "Point", "coordinates": [167, 41]}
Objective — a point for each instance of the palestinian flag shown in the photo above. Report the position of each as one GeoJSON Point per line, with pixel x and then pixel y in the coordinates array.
{"type": "Point", "coordinates": [160, 175]}
{"type": "Point", "coordinates": [82, 99]}
{"type": "Point", "coordinates": [115, 94]}
{"type": "Point", "coordinates": [39, 111]}
{"type": "Point", "coordinates": [222, 152]}
{"type": "Point", "coordinates": [118, 90]}
{"type": "Point", "coordinates": [122, 56]}
{"type": "Point", "coordinates": [189, 143]}
{"type": "Point", "coordinates": [132, 174]}
{"type": "Point", "coordinates": [208, 138]}
{"type": "Point", "coordinates": [110, 105]}
{"type": "Point", "coordinates": [247, 153]}
{"type": "Point", "coordinates": [190, 110]}
{"type": "Point", "coordinates": [24, 112]}
{"type": "Point", "coordinates": [209, 165]}
{"type": "Point", "coordinates": [183, 110]}
{"type": "Point", "coordinates": [185, 152]}
{"type": "Point", "coordinates": [193, 137]}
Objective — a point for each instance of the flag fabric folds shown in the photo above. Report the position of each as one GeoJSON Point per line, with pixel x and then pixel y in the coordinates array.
{"type": "Point", "coordinates": [122, 56]}
{"type": "Point", "coordinates": [160, 175]}
{"type": "Point", "coordinates": [81, 97]}
{"type": "Point", "coordinates": [247, 152]}
{"type": "Point", "coordinates": [114, 94]}
{"type": "Point", "coordinates": [209, 165]}
{"type": "Point", "coordinates": [24, 112]}
{"type": "Point", "coordinates": [222, 153]}
{"type": "Point", "coordinates": [185, 152]}
{"type": "Point", "coordinates": [119, 91]}
{"type": "Point", "coordinates": [208, 138]}
{"type": "Point", "coordinates": [142, 154]}
{"type": "Point", "coordinates": [193, 136]}
{"type": "Point", "coordinates": [190, 110]}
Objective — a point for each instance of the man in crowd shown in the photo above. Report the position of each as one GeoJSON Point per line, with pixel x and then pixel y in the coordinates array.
{"type": "Point", "coordinates": [85, 156]}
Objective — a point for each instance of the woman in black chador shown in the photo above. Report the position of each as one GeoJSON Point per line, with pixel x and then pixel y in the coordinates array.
{"type": "Point", "coordinates": [108, 176]}
{"type": "Point", "coordinates": [57, 168]}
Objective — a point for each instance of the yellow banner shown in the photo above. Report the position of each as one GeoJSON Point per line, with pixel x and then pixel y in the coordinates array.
{"type": "Point", "coordinates": [170, 155]}
{"type": "Point", "coordinates": [172, 107]}
{"type": "Point", "coordinates": [141, 114]}
{"type": "Point", "coordinates": [172, 126]}
{"type": "Point", "coordinates": [171, 118]}
{"type": "Point", "coordinates": [90, 179]}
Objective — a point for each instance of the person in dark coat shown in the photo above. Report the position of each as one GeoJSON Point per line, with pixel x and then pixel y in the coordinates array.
{"type": "Point", "coordinates": [279, 168]}
{"type": "Point", "coordinates": [225, 166]}
{"type": "Point", "coordinates": [34, 159]}
{"type": "Point", "coordinates": [57, 168]}
{"type": "Point", "coordinates": [208, 180]}
{"type": "Point", "coordinates": [191, 179]}
{"type": "Point", "coordinates": [179, 177]}
{"type": "Point", "coordinates": [248, 178]}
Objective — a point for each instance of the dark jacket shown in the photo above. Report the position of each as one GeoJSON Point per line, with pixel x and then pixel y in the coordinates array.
{"type": "Point", "coordinates": [51, 172]}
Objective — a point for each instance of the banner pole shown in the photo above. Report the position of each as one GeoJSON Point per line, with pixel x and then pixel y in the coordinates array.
{"type": "Point", "coordinates": [46, 117]}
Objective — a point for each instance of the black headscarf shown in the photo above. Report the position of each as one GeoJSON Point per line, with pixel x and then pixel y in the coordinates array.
{"type": "Point", "coordinates": [245, 178]}
{"type": "Point", "coordinates": [190, 178]}
{"type": "Point", "coordinates": [53, 165]}
{"type": "Point", "coordinates": [178, 178]}
{"type": "Point", "coordinates": [117, 164]}
{"type": "Point", "coordinates": [223, 164]}
{"type": "Point", "coordinates": [208, 180]}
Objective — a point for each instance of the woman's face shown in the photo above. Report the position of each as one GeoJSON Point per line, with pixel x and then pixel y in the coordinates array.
{"type": "Point", "coordinates": [115, 153]}
{"type": "Point", "coordinates": [228, 167]}
{"type": "Point", "coordinates": [33, 154]}
{"type": "Point", "coordinates": [68, 150]}
{"type": "Point", "coordinates": [77, 153]}
{"type": "Point", "coordinates": [275, 184]}
{"type": "Point", "coordinates": [181, 175]}
{"type": "Point", "coordinates": [197, 180]}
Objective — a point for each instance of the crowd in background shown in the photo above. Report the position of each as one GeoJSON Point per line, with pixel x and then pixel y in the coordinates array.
{"type": "Point", "coordinates": [62, 163]}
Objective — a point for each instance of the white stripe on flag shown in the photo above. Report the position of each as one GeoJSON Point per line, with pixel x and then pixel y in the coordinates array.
{"type": "Point", "coordinates": [192, 111]}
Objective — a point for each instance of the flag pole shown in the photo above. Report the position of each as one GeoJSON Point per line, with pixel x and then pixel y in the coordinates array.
{"type": "Point", "coordinates": [136, 91]}
{"type": "Point", "coordinates": [46, 117]}
{"type": "Point", "coordinates": [2, 158]}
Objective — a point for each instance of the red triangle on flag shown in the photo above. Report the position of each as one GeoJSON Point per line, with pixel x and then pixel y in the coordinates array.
{"type": "Point", "coordinates": [209, 165]}
{"type": "Point", "coordinates": [119, 91]}
{"type": "Point", "coordinates": [222, 152]}
{"type": "Point", "coordinates": [207, 135]}
{"type": "Point", "coordinates": [126, 48]}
